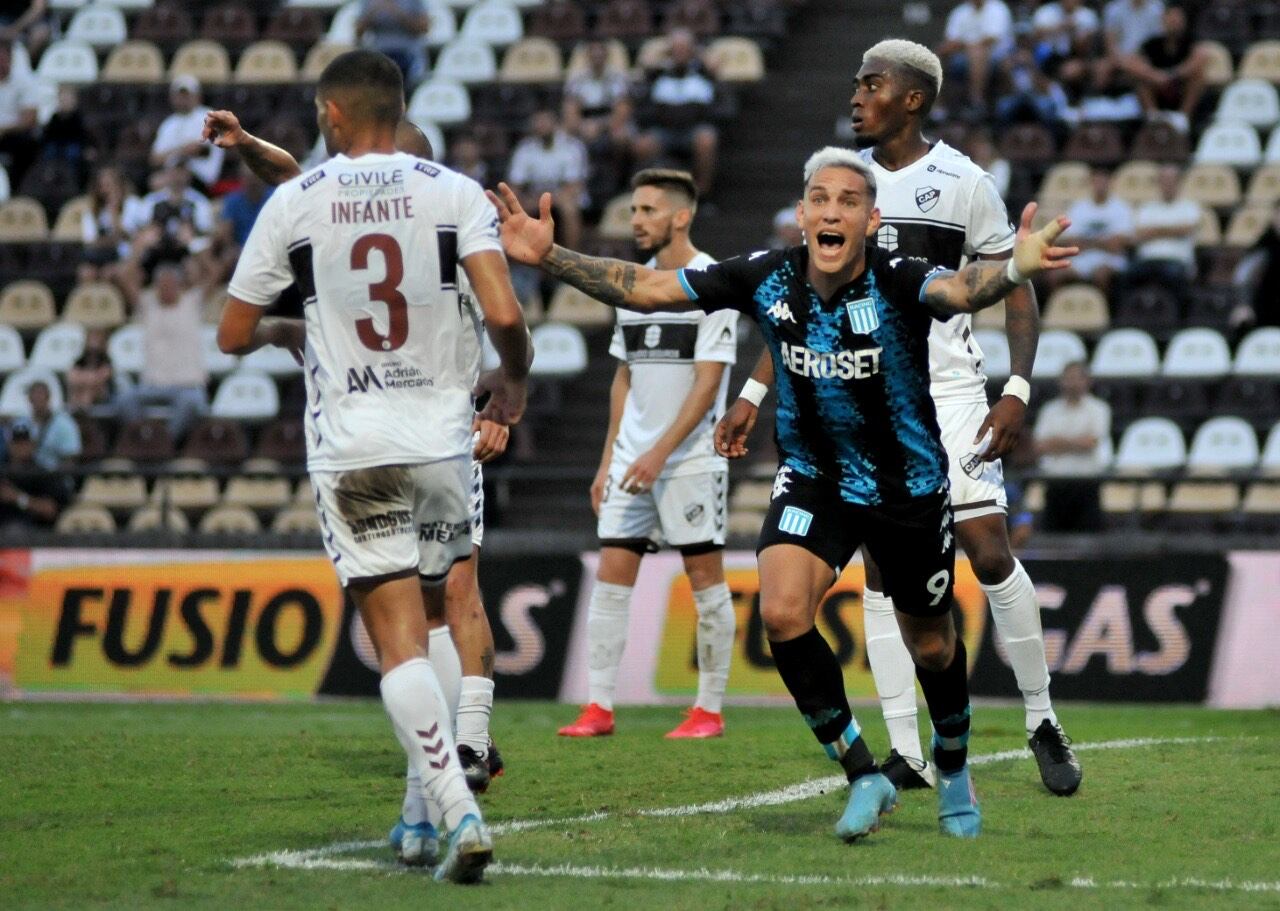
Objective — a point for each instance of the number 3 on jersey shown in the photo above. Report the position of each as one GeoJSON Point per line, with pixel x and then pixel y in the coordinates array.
{"type": "Point", "coordinates": [387, 291]}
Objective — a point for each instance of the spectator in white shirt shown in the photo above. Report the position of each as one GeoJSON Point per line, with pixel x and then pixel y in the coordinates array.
{"type": "Point", "coordinates": [551, 161]}
{"type": "Point", "coordinates": [597, 109]}
{"type": "Point", "coordinates": [979, 35]}
{"type": "Point", "coordinates": [1102, 227]}
{"type": "Point", "coordinates": [178, 140]}
{"type": "Point", "coordinates": [19, 124]}
{"type": "Point", "coordinates": [677, 115]}
{"type": "Point", "coordinates": [1066, 36]}
{"type": "Point", "coordinates": [1126, 26]}
{"type": "Point", "coordinates": [1073, 440]}
{"type": "Point", "coordinates": [1165, 230]}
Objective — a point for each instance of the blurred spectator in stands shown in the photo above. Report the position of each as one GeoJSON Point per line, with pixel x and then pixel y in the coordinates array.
{"type": "Point", "coordinates": [173, 372]}
{"type": "Point", "coordinates": [89, 381]}
{"type": "Point", "coordinates": [465, 158]}
{"type": "Point", "coordinates": [56, 433]}
{"type": "Point", "coordinates": [597, 109]}
{"type": "Point", "coordinates": [107, 228]}
{"type": "Point", "coordinates": [1102, 227]}
{"type": "Point", "coordinates": [1165, 230]}
{"type": "Point", "coordinates": [178, 140]}
{"type": "Point", "coordinates": [1032, 97]}
{"type": "Point", "coordinates": [1258, 277]}
{"type": "Point", "coordinates": [677, 115]}
{"type": "Point", "coordinates": [240, 210]}
{"type": "Point", "coordinates": [1126, 26]}
{"type": "Point", "coordinates": [1170, 71]}
{"type": "Point", "coordinates": [31, 24]}
{"type": "Point", "coordinates": [979, 36]}
{"type": "Point", "coordinates": [1019, 519]}
{"type": "Point", "coordinates": [397, 28]}
{"type": "Point", "coordinates": [1073, 439]}
{"type": "Point", "coordinates": [176, 221]}
{"type": "Point", "coordinates": [1063, 30]}
{"type": "Point", "coordinates": [763, 20]}
{"type": "Point", "coordinates": [65, 136]}
{"type": "Point", "coordinates": [549, 160]}
{"type": "Point", "coordinates": [19, 124]}
{"type": "Point", "coordinates": [31, 496]}
{"type": "Point", "coordinates": [786, 230]}
{"type": "Point", "coordinates": [981, 148]}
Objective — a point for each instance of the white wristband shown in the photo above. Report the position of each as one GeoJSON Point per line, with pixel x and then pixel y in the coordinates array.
{"type": "Point", "coordinates": [1014, 275]}
{"type": "Point", "coordinates": [1018, 388]}
{"type": "Point", "coordinates": [754, 392]}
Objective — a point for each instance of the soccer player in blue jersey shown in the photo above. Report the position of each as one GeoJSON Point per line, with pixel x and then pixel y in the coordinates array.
{"type": "Point", "coordinates": [862, 461]}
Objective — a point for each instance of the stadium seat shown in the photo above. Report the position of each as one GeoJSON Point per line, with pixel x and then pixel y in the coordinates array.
{"type": "Point", "coordinates": [1220, 69]}
{"type": "Point", "coordinates": [206, 60]}
{"type": "Point", "coordinates": [995, 353]}
{"type": "Point", "coordinates": [1154, 307]}
{"type": "Point", "coordinates": [1264, 186]}
{"type": "Point", "coordinates": [532, 60]}
{"type": "Point", "coordinates": [27, 306]}
{"type": "Point", "coordinates": [116, 492]}
{"type": "Point", "coordinates": [653, 53]}
{"type": "Point", "coordinates": [434, 135]}
{"type": "Point", "coordinates": [1160, 142]}
{"type": "Point", "coordinates": [134, 62]}
{"type": "Point", "coordinates": [1136, 182]}
{"type": "Point", "coordinates": [246, 395]}
{"type": "Point", "coordinates": [304, 494]}
{"type": "Point", "coordinates": [569, 305]}
{"type": "Point", "coordinates": [283, 441]}
{"type": "Point", "coordinates": [1150, 444]}
{"type": "Point", "coordinates": [260, 493]}
{"type": "Point", "coordinates": [1230, 143]}
{"type": "Point", "coordinates": [125, 347]}
{"type": "Point", "coordinates": [1248, 225]}
{"type": "Point", "coordinates": [58, 346]}
{"type": "Point", "coordinates": [13, 355]}
{"type": "Point", "coordinates": [188, 493]}
{"type": "Point", "coordinates": [166, 24]}
{"type": "Point", "coordinates": [615, 223]}
{"type": "Point", "coordinates": [1078, 307]}
{"type": "Point", "coordinates": [68, 226]}
{"type": "Point", "coordinates": [296, 520]}
{"type": "Point", "coordinates": [93, 438]}
{"type": "Point", "coordinates": [342, 28]}
{"type": "Point", "coordinates": [560, 351]}
{"type": "Point", "coordinates": [736, 60]}
{"type": "Point", "coordinates": [219, 441]}
{"type": "Point", "coordinates": [1126, 497]}
{"type": "Point", "coordinates": [1068, 180]}
{"type": "Point", "coordinates": [22, 220]}
{"type": "Point", "coordinates": [1095, 144]}
{"type": "Point", "coordinates": [698, 16]}
{"type": "Point", "coordinates": [1250, 101]}
{"type": "Point", "coordinates": [5, 189]}
{"type": "Point", "coordinates": [1262, 500]}
{"type": "Point", "coordinates": [563, 21]}
{"type": "Point", "coordinates": [1213, 185]}
{"type": "Point", "coordinates": [297, 27]}
{"type": "Point", "coordinates": [97, 305]}
{"type": "Point", "coordinates": [441, 101]}
{"type": "Point", "coordinates": [1200, 506]}
{"type": "Point", "coordinates": [1261, 61]}
{"type": "Point", "coordinates": [229, 519]}
{"type": "Point", "coordinates": [1056, 349]}
{"type": "Point", "coordinates": [97, 25]}
{"type": "Point", "coordinates": [273, 361]}
{"type": "Point", "coordinates": [466, 61]}
{"type": "Point", "coordinates": [267, 63]}
{"type": "Point", "coordinates": [1200, 353]}
{"type": "Point", "coordinates": [1269, 463]}
{"type": "Point", "coordinates": [68, 63]}
{"type": "Point", "coordinates": [145, 440]}
{"type": "Point", "coordinates": [324, 5]}
{"type": "Point", "coordinates": [1209, 234]}
{"type": "Point", "coordinates": [231, 25]}
{"type": "Point", "coordinates": [217, 362]}
{"type": "Point", "coordinates": [1028, 145]}
{"type": "Point", "coordinates": [51, 183]}
{"type": "Point", "coordinates": [496, 23]}
{"type": "Point", "coordinates": [624, 19]}
{"type": "Point", "coordinates": [152, 519]}
{"type": "Point", "coordinates": [616, 58]}
{"type": "Point", "coordinates": [1125, 354]}
{"type": "Point", "coordinates": [320, 56]}
{"type": "Point", "coordinates": [751, 495]}
{"type": "Point", "coordinates": [1259, 353]}
{"type": "Point", "coordinates": [85, 519]}
{"type": "Point", "coordinates": [1223, 444]}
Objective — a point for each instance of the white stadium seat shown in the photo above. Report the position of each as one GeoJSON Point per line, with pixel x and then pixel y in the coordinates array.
{"type": "Point", "coordinates": [1270, 461]}
{"type": "Point", "coordinates": [1230, 143]}
{"type": "Point", "coordinates": [215, 361]}
{"type": "Point", "coordinates": [5, 191]}
{"type": "Point", "coordinates": [125, 349]}
{"type": "Point", "coordinates": [444, 25]}
{"type": "Point", "coordinates": [272, 361]}
{"type": "Point", "coordinates": [342, 30]}
{"type": "Point", "coordinates": [1197, 353]}
{"type": "Point", "coordinates": [1251, 101]}
{"type": "Point", "coordinates": [995, 352]}
{"type": "Point", "coordinates": [1259, 353]}
{"type": "Point", "coordinates": [99, 25]}
{"type": "Point", "coordinates": [13, 394]}
{"type": "Point", "coordinates": [1151, 444]}
{"type": "Point", "coordinates": [467, 61]}
{"type": "Point", "coordinates": [494, 22]}
{"type": "Point", "coordinates": [559, 350]}
{"type": "Point", "coordinates": [69, 63]}
{"type": "Point", "coordinates": [1057, 348]}
{"type": "Point", "coordinates": [1223, 444]}
{"type": "Point", "coordinates": [13, 356]}
{"type": "Point", "coordinates": [1125, 354]}
{"type": "Point", "coordinates": [442, 101]}
{"type": "Point", "coordinates": [246, 395]}
{"type": "Point", "coordinates": [58, 346]}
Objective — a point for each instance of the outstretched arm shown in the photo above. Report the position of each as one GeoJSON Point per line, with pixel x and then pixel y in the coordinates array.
{"type": "Point", "coordinates": [617, 283]}
{"type": "Point", "coordinates": [270, 162]}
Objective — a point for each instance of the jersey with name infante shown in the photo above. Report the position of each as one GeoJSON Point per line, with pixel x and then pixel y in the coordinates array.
{"type": "Point", "coordinates": [852, 372]}
{"type": "Point", "coordinates": [944, 208]}
{"type": "Point", "coordinates": [375, 245]}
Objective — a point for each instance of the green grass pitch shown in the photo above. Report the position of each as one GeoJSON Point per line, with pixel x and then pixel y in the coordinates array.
{"type": "Point", "coordinates": [151, 806]}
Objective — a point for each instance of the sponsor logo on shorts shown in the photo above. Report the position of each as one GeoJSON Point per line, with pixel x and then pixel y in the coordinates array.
{"type": "Point", "coordinates": [694, 513]}
{"type": "Point", "coordinates": [380, 525]}
{"type": "Point", "coordinates": [795, 521]}
{"type": "Point", "coordinates": [443, 532]}
{"type": "Point", "coordinates": [781, 482]}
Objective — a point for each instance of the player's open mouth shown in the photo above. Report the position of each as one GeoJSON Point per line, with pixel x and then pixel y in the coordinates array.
{"type": "Point", "coordinates": [829, 241]}
{"type": "Point", "coordinates": [856, 123]}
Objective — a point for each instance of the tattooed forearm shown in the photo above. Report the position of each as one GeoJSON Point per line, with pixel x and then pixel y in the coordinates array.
{"type": "Point", "coordinates": [607, 280]}
{"type": "Point", "coordinates": [1022, 326]}
{"type": "Point", "coordinates": [976, 286]}
{"type": "Point", "coordinates": [272, 164]}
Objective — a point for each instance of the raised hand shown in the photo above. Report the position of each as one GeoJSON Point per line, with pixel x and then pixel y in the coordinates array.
{"type": "Point", "coordinates": [1034, 252]}
{"type": "Point", "coordinates": [525, 239]}
{"type": "Point", "coordinates": [223, 129]}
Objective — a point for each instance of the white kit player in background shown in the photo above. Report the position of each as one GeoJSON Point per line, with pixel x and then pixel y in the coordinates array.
{"type": "Point", "coordinates": [660, 480]}
{"type": "Point", "coordinates": [935, 203]}
{"type": "Point", "coordinates": [374, 239]}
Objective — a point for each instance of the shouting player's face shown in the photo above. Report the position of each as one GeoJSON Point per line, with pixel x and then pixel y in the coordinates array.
{"type": "Point", "coordinates": [880, 103]}
{"type": "Point", "coordinates": [837, 216]}
{"type": "Point", "coordinates": [655, 218]}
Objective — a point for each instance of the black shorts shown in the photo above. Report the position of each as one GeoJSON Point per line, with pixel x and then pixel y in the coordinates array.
{"type": "Point", "coordinates": [913, 543]}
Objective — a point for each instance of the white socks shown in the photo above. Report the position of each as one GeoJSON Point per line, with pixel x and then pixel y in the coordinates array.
{"type": "Point", "coordinates": [716, 625]}
{"type": "Point", "coordinates": [1017, 617]}
{"type": "Point", "coordinates": [416, 707]}
{"type": "Point", "coordinates": [472, 716]}
{"type": "Point", "coordinates": [443, 658]}
{"type": "Point", "coordinates": [894, 673]}
{"type": "Point", "coordinates": [607, 636]}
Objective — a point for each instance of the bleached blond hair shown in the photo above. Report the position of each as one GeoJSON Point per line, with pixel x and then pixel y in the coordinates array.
{"type": "Point", "coordinates": [836, 157]}
{"type": "Point", "coordinates": [910, 54]}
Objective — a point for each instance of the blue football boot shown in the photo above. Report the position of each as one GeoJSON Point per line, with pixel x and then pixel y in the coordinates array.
{"type": "Point", "coordinates": [870, 797]}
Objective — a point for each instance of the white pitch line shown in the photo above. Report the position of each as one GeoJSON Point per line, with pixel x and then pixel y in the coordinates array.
{"type": "Point", "coordinates": [324, 857]}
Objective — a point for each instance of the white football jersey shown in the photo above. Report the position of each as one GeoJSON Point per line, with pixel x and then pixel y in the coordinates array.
{"type": "Point", "coordinates": [660, 349]}
{"type": "Point", "coordinates": [375, 244]}
{"type": "Point", "coordinates": [945, 209]}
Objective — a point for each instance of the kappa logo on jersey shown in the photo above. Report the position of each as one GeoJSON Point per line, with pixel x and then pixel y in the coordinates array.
{"type": "Point", "coordinates": [694, 513]}
{"type": "Point", "coordinates": [795, 521]}
{"type": "Point", "coordinates": [887, 238]}
{"type": "Point", "coordinates": [781, 312]}
{"type": "Point", "coordinates": [756, 255]}
{"type": "Point", "coordinates": [652, 336]}
{"type": "Point", "coordinates": [927, 197]}
{"type": "Point", "coordinates": [845, 365]}
{"type": "Point", "coordinates": [360, 382]}
{"type": "Point", "coordinates": [864, 318]}
{"type": "Point", "coordinates": [781, 482]}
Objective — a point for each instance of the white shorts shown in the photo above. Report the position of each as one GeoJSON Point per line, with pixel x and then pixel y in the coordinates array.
{"type": "Point", "coordinates": [679, 512]}
{"type": "Point", "coordinates": [977, 487]}
{"type": "Point", "coordinates": [395, 519]}
{"type": "Point", "coordinates": [477, 504]}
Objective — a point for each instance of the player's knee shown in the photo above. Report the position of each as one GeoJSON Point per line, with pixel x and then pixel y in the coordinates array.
{"type": "Point", "coordinates": [931, 651]}
{"type": "Point", "coordinates": [991, 564]}
{"type": "Point", "coordinates": [785, 618]}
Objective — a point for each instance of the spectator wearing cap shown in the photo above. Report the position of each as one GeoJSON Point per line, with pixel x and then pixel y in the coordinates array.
{"type": "Point", "coordinates": [19, 123]}
{"type": "Point", "coordinates": [678, 112]}
{"type": "Point", "coordinates": [31, 496]}
{"type": "Point", "coordinates": [56, 434]}
{"type": "Point", "coordinates": [397, 28]}
{"type": "Point", "coordinates": [178, 140]}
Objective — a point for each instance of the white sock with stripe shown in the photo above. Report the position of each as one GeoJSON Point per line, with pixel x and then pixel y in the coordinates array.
{"type": "Point", "coordinates": [444, 660]}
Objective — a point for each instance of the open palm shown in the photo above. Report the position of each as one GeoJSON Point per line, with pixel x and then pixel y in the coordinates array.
{"type": "Point", "coordinates": [1034, 252]}
{"type": "Point", "coordinates": [525, 239]}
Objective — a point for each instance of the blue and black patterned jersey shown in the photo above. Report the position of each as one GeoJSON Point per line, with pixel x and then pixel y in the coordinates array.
{"type": "Point", "coordinates": [852, 372]}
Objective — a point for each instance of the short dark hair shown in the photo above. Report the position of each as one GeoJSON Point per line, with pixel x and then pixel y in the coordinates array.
{"type": "Point", "coordinates": [918, 80]}
{"type": "Point", "coordinates": [669, 180]}
{"type": "Point", "coordinates": [371, 84]}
